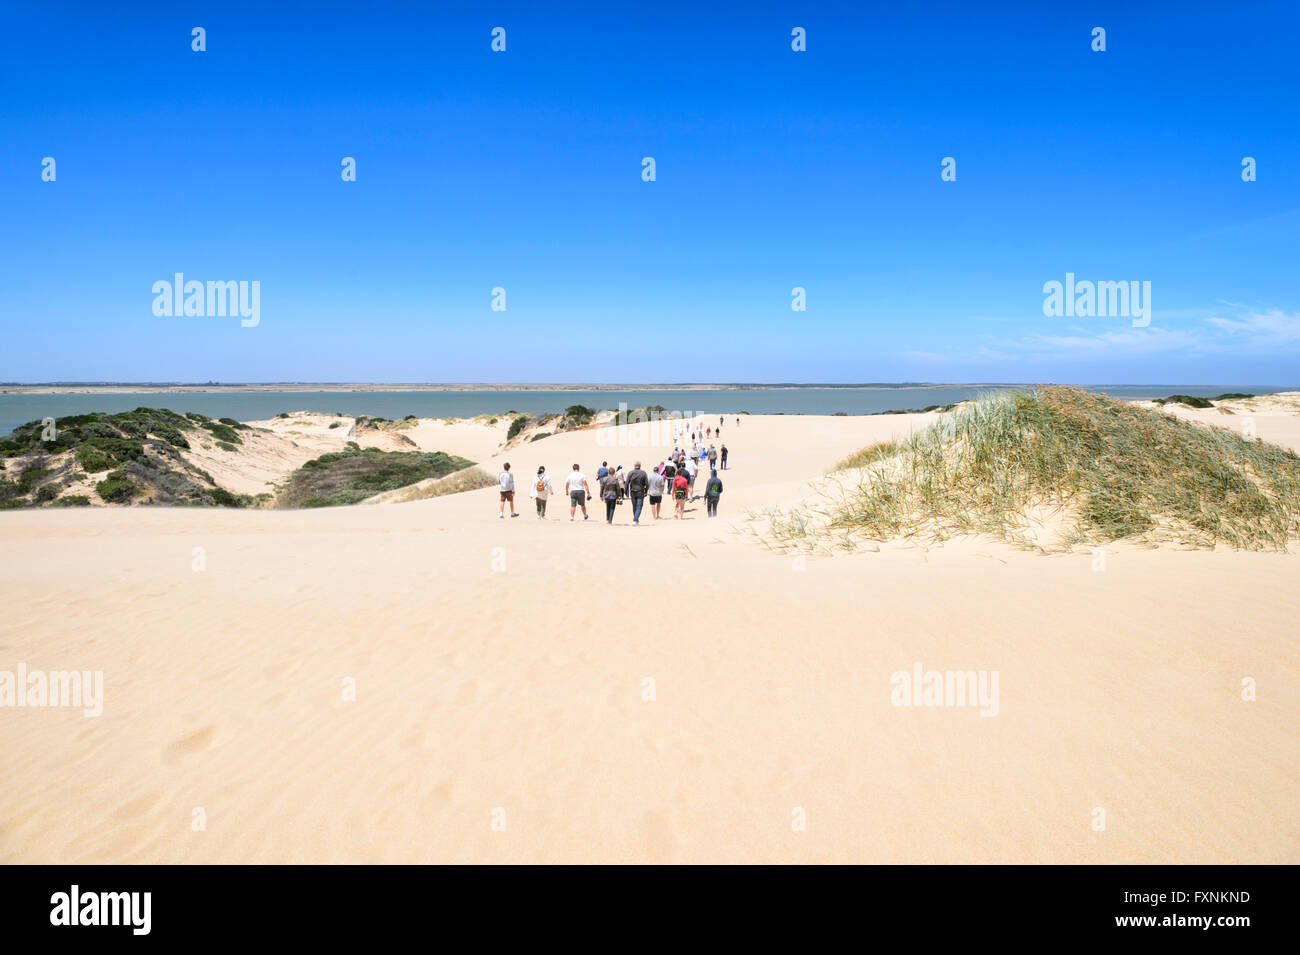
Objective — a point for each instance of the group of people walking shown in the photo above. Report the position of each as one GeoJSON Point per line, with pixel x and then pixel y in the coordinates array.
{"type": "Point", "coordinates": [674, 477]}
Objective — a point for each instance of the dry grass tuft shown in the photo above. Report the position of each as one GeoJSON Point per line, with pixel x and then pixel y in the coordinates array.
{"type": "Point", "coordinates": [1109, 469]}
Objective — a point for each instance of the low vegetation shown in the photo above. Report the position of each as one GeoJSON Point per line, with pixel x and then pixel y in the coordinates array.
{"type": "Point", "coordinates": [127, 457]}
{"type": "Point", "coordinates": [1098, 469]}
{"type": "Point", "coordinates": [469, 479]}
{"type": "Point", "coordinates": [354, 474]}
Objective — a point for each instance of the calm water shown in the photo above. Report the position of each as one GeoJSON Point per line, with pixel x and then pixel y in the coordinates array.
{"type": "Point", "coordinates": [257, 406]}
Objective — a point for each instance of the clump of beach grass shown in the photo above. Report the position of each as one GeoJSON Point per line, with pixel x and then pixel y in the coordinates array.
{"type": "Point", "coordinates": [1107, 470]}
{"type": "Point", "coordinates": [468, 479]}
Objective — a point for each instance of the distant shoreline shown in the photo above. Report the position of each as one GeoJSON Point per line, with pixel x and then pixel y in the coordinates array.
{"type": "Point", "coordinates": [119, 388]}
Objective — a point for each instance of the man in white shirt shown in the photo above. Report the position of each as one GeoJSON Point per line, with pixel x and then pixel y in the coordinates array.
{"type": "Point", "coordinates": [507, 482]}
{"type": "Point", "coordinates": [541, 491]}
{"type": "Point", "coordinates": [578, 492]}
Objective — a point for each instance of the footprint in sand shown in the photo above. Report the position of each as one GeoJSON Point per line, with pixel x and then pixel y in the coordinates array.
{"type": "Point", "coordinates": [195, 742]}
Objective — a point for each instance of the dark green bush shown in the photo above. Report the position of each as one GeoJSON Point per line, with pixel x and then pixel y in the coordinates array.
{"type": "Point", "coordinates": [516, 426]}
{"type": "Point", "coordinates": [116, 489]}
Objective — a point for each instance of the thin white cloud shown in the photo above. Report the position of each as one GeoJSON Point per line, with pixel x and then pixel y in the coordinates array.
{"type": "Point", "coordinates": [1242, 331]}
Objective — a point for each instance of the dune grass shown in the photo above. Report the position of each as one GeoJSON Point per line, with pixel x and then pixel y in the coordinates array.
{"type": "Point", "coordinates": [468, 479]}
{"type": "Point", "coordinates": [1113, 470]}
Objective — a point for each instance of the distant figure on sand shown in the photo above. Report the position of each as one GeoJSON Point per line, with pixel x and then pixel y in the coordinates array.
{"type": "Point", "coordinates": [638, 482]}
{"type": "Point", "coordinates": [578, 491]}
{"type": "Point", "coordinates": [724, 457]}
{"type": "Point", "coordinates": [712, 491]}
{"type": "Point", "coordinates": [507, 482]}
{"type": "Point", "coordinates": [541, 492]}
{"type": "Point", "coordinates": [713, 458]}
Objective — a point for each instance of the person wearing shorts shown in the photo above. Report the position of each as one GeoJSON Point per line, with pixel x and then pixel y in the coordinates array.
{"type": "Point", "coordinates": [655, 491]}
{"type": "Point", "coordinates": [578, 492]}
{"type": "Point", "coordinates": [507, 482]}
{"type": "Point", "coordinates": [681, 488]}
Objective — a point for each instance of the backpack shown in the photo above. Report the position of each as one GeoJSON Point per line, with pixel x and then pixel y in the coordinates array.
{"type": "Point", "coordinates": [541, 486]}
{"type": "Point", "coordinates": [715, 488]}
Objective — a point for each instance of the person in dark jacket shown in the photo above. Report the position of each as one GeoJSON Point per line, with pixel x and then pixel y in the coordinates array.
{"type": "Point", "coordinates": [712, 491]}
{"type": "Point", "coordinates": [638, 482]}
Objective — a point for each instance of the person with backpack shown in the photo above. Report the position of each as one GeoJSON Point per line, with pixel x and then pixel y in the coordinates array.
{"type": "Point", "coordinates": [713, 458]}
{"type": "Point", "coordinates": [506, 480]}
{"type": "Point", "coordinates": [681, 488]}
{"type": "Point", "coordinates": [541, 492]}
{"type": "Point", "coordinates": [609, 494]}
{"type": "Point", "coordinates": [638, 483]}
{"type": "Point", "coordinates": [724, 457]}
{"type": "Point", "coordinates": [712, 491]}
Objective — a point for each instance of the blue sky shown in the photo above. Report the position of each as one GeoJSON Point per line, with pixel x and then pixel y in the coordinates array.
{"type": "Point", "coordinates": [775, 169]}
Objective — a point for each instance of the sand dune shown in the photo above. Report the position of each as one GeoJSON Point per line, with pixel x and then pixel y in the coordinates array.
{"type": "Point", "coordinates": [500, 669]}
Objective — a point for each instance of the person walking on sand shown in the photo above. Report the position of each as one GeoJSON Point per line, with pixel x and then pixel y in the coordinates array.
{"type": "Point", "coordinates": [655, 491]}
{"type": "Point", "coordinates": [724, 457]}
{"type": "Point", "coordinates": [578, 491]}
{"type": "Point", "coordinates": [507, 482]}
{"type": "Point", "coordinates": [541, 492]}
{"type": "Point", "coordinates": [712, 491]}
{"type": "Point", "coordinates": [681, 488]}
{"type": "Point", "coordinates": [713, 458]}
{"type": "Point", "coordinates": [638, 482]}
{"type": "Point", "coordinates": [691, 468]}
{"type": "Point", "coordinates": [609, 494]}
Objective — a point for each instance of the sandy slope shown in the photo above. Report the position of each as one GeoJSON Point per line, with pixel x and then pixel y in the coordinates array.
{"type": "Point", "coordinates": [521, 688]}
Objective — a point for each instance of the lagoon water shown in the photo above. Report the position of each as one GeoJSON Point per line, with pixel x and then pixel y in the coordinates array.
{"type": "Point", "coordinates": [256, 406]}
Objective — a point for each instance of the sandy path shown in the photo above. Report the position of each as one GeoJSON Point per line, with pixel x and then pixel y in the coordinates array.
{"type": "Point", "coordinates": [522, 688]}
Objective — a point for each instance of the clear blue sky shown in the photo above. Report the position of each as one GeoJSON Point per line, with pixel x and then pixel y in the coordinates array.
{"type": "Point", "coordinates": [775, 169]}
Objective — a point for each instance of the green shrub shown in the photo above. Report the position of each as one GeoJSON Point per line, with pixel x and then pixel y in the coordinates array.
{"type": "Point", "coordinates": [73, 500]}
{"type": "Point", "coordinates": [352, 475]}
{"type": "Point", "coordinates": [223, 498]}
{"type": "Point", "coordinates": [47, 492]}
{"type": "Point", "coordinates": [223, 432]}
{"type": "Point", "coordinates": [116, 489]}
{"type": "Point", "coordinates": [516, 426]}
{"type": "Point", "coordinates": [94, 460]}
